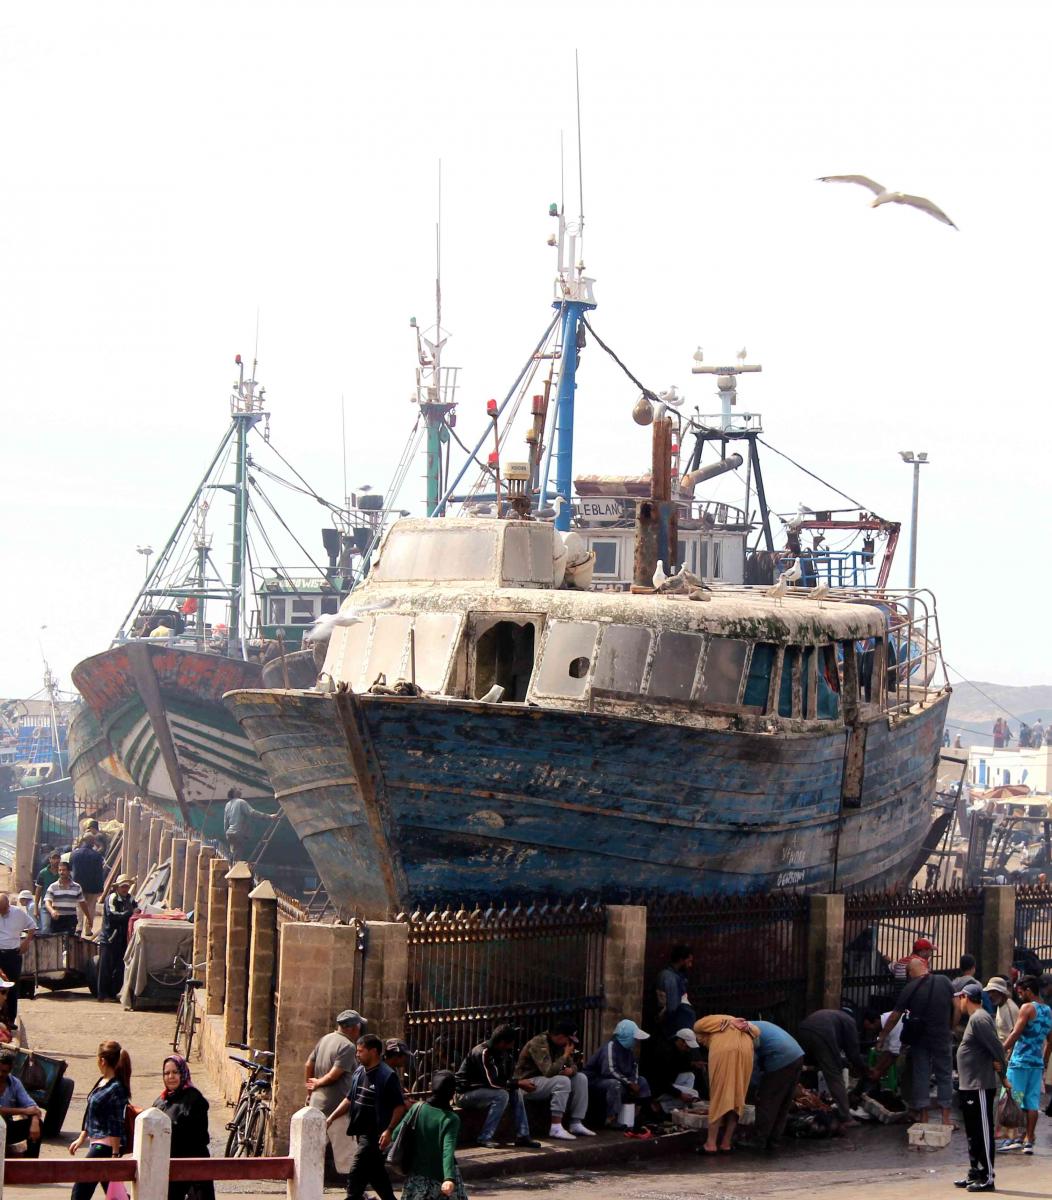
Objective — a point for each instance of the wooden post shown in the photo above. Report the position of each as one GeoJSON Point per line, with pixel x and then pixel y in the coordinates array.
{"type": "Point", "coordinates": [204, 857]}
{"type": "Point", "coordinates": [164, 850]}
{"type": "Point", "coordinates": [262, 960]}
{"type": "Point", "coordinates": [175, 879]}
{"type": "Point", "coordinates": [152, 848]}
{"type": "Point", "coordinates": [193, 853]}
{"type": "Point", "coordinates": [215, 970]}
{"type": "Point", "coordinates": [25, 841]}
{"type": "Point", "coordinates": [132, 837]}
{"type": "Point", "coordinates": [235, 1003]}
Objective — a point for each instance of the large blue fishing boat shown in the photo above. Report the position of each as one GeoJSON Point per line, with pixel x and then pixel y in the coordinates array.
{"type": "Point", "coordinates": [489, 723]}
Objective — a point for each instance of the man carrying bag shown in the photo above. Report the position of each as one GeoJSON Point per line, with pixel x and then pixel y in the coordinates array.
{"type": "Point", "coordinates": [929, 1001]}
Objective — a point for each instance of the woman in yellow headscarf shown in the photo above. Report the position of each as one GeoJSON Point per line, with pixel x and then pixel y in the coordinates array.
{"type": "Point", "coordinates": [730, 1042]}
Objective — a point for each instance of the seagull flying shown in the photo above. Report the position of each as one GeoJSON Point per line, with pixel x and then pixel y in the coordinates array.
{"type": "Point", "coordinates": [323, 628]}
{"type": "Point", "coordinates": [883, 196]}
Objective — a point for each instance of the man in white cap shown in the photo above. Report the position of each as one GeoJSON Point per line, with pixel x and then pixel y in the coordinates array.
{"type": "Point", "coordinates": [668, 1063]}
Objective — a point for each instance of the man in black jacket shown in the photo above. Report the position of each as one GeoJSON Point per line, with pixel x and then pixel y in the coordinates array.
{"type": "Point", "coordinates": [828, 1036]}
{"type": "Point", "coordinates": [485, 1081]}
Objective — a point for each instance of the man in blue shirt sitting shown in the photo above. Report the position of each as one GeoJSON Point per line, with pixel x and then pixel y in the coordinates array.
{"type": "Point", "coordinates": [20, 1114]}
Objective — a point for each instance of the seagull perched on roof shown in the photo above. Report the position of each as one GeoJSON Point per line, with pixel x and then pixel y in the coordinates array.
{"type": "Point", "coordinates": [883, 196]}
{"type": "Point", "coordinates": [659, 574]}
{"type": "Point", "coordinates": [786, 578]}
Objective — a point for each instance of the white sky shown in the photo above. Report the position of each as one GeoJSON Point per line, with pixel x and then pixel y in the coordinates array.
{"type": "Point", "coordinates": [170, 169]}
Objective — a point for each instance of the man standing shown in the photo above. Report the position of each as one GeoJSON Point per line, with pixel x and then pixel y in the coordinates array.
{"type": "Point", "coordinates": [20, 1114]}
{"type": "Point", "coordinates": [929, 1000]}
{"type": "Point", "coordinates": [327, 1072]}
{"type": "Point", "coordinates": [376, 1105]}
{"type": "Point", "coordinates": [63, 900]}
{"type": "Point", "coordinates": [547, 1061]}
{"type": "Point", "coordinates": [828, 1036]}
{"type": "Point", "coordinates": [46, 876]}
{"type": "Point", "coordinates": [674, 1009]}
{"type": "Point", "coordinates": [485, 1080]}
{"type": "Point", "coordinates": [237, 824]}
{"type": "Point", "coordinates": [923, 949]}
{"type": "Point", "coordinates": [89, 870]}
{"type": "Point", "coordinates": [1029, 1043]}
{"type": "Point", "coordinates": [778, 1061]}
{"type": "Point", "coordinates": [980, 1063]}
{"type": "Point", "coordinates": [14, 923]}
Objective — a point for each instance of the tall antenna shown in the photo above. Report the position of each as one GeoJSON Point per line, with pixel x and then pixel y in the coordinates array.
{"type": "Point", "coordinates": [438, 258]}
{"type": "Point", "coordinates": [580, 166]}
{"type": "Point", "coordinates": [255, 352]}
{"type": "Point", "coordinates": [343, 431]}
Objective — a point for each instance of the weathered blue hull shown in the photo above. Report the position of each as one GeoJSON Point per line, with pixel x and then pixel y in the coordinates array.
{"type": "Point", "coordinates": [398, 799]}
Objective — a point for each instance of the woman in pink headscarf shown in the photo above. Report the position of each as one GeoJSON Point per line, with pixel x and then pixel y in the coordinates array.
{"type": "Point", "coordinates": [187, 1110]}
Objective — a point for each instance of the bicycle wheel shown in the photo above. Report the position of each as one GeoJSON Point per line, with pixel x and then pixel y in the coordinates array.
{"type": "Point", "coordinates": [256, 1137]}
{"type": "Point", "coordinates": [180, 1023]}
{"type": "Point", "coordinates": [236, 1141]}
{"type": "Point", "coordinates": [189, 1005]}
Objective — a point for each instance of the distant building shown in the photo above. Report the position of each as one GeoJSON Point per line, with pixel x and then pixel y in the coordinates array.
{"type": "Point", "coordinates": [989, 768]}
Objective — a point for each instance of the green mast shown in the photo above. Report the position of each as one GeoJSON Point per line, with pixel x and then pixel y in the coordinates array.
{"type": "Point", "coordinates": [246, 410]}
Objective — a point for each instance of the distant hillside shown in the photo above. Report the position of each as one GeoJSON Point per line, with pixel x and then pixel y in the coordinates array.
{"type": "Point", "coordinates": [972, 714]}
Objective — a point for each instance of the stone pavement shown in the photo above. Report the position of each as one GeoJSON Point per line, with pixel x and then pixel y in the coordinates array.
{"type": "Point", "coordinates": [872, 1161]}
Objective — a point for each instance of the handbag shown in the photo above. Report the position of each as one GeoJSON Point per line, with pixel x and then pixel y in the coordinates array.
{"type": "Point", "coordinates": [398, 1151]}
{"type": "Point", "coordinates": [913, 1028]}
{"type": "Point", "coordinates": [1009, 1114]}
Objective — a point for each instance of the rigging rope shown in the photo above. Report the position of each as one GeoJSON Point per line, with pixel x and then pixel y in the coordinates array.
{"type": "Point", "coordinates": [651, 396]}
{"type": "Point", "coordinates": [822, 481]}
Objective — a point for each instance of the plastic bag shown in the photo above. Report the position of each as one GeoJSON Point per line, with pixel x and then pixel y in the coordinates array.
{"type": "Point", "coordinates": [1009, 1114]}
{"type": "Point", "coordinates": [115, 1190]}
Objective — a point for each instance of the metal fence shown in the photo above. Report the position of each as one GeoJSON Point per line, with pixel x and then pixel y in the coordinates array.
{"type": "Point", "coordinates": [750, 953]}
{"type": "Point", "coordinates": [469, 971]}
{"type": "Point", "coordinates": [881, 927]}
{"type": "Point", "coordinates": [58, 825]}
{"type": "Point", "coordinates": [1033, 922]}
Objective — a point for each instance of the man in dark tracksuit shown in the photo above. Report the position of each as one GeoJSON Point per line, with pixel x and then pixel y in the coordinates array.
{"type": "Point", "coordinates": [980, 1064]}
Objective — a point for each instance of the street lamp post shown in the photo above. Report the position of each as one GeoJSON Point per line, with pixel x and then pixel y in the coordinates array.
{"type": "Point", "coordinates": [146, 551]}
{"type": "Point", "coordinates": [916, 461]}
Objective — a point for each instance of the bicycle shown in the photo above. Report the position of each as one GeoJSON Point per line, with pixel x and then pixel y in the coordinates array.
{"type": "Point", "coordinates": [186, 1018]}
{"type": "Point", "coordinates": [248, 1129]}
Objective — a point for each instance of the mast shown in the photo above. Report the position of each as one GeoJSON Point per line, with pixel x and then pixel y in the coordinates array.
{"type": "Point", "coordinates": [573, 299]}
{"type": "Point", "coordinates": [246, 410]}
{"type": "Point", "coordinates": [435, 385]}
{"type": "Point", "coordinates": [202, 544]}
{"type": "Point", "coordinates": [51, 688]}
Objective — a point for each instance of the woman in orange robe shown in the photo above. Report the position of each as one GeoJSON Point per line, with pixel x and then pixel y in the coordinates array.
{"type": "Point", "coordinates": [730, 1042]}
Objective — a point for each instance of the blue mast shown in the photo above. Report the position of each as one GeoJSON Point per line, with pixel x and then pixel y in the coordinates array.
{"type": "Point", "coordinates": [573, 298]}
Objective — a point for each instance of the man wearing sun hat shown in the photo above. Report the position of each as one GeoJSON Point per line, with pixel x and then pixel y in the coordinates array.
{"type": "Point", "coordinates": [17, 930]}
{"type": "Point", "coordinates": [117, 910]}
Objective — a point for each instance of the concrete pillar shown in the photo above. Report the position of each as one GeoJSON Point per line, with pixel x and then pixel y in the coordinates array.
{"type": "Point", "coordinates": [998, 938]}
{"type": "Point", "coordinates": [132, 834]}
{"type": "Point", "coordinates": [152, 1154]}
{"type": "Point", "coordinates": [262, 960]}
{"type": "Point", "coordinates": [386, 966]}
{"type": "Point", "coordinates": [193, 852]}
{"type": "Point", "coordinates": [238, 916]}
{"type": "Point", "coordinates": [825, 951]}
{"type": "Point", "coordinates": [623, 967]}
{"type": "Point", "coordinates": [204, 858]}
{"type": "Point", "coordinates": [121, 808]}
{"type": "Point", "coordinates": [307, 1139]}
{"type": "Point", "coordinates": [316, 980]}
{"type": "Point", "coordinates": [153, 848]}
{"type": "Point", "coordinates": [175, 879]}
{"type": "Point", "coordinates": [25, 842]}
{"type": "Point", "coordinates": [215, 957]}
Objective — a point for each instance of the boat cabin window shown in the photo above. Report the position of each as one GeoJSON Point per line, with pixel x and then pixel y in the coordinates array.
{"type": "Point", "coordinates": [504, 655]}
{"type": "Point", "coordinates": [434, 636]}
{"type": "Point", "coordinates": [807, 671]}
{"type": "Point", "coordinates": [828, 685]}
{"type": "Point", "coordinates": [346, 656]}
{"type": "Point", "coordinates": [605, 556]}
{"type": "Point", "coordinates": [724, 665]}
{"type": "Point", "coordinates": [330, 604]}
{"type": "Point", "coordinates": [277, 610]}
{"type": "Point", "coordinates": [622, 658]}
{"type": "Point", "coordinates": [758, 683]}
{"type": "Point", "coordinates": [790, 668]}
{"type": "Point", "coordinates": [302, 610]}
{"type": "Point", "coordinates": [438, 554]}
{"type": "Point", "coordinates": [560, 672]}
{"type": "Point", "coordinates": [528, 554]}
{"type": "Point", "coordinates": [387, 653]}
{"type": "Point", "coordinates": [675, 665]}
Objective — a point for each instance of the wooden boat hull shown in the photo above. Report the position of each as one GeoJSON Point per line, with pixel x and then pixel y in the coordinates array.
{"type": "Point", "coordinates": [93, 766]}
{"type": "Point", "coordinates": [400, 799]}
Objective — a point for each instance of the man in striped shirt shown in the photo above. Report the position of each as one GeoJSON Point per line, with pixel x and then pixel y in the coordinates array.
{"type": "Point", "coordinates": [63, 899]}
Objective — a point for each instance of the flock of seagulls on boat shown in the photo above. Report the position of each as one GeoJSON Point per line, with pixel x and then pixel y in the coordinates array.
{"type": "Point", "coordinates": [685, 582]}
{"type": "Point", "coordinates": [883, 196]}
